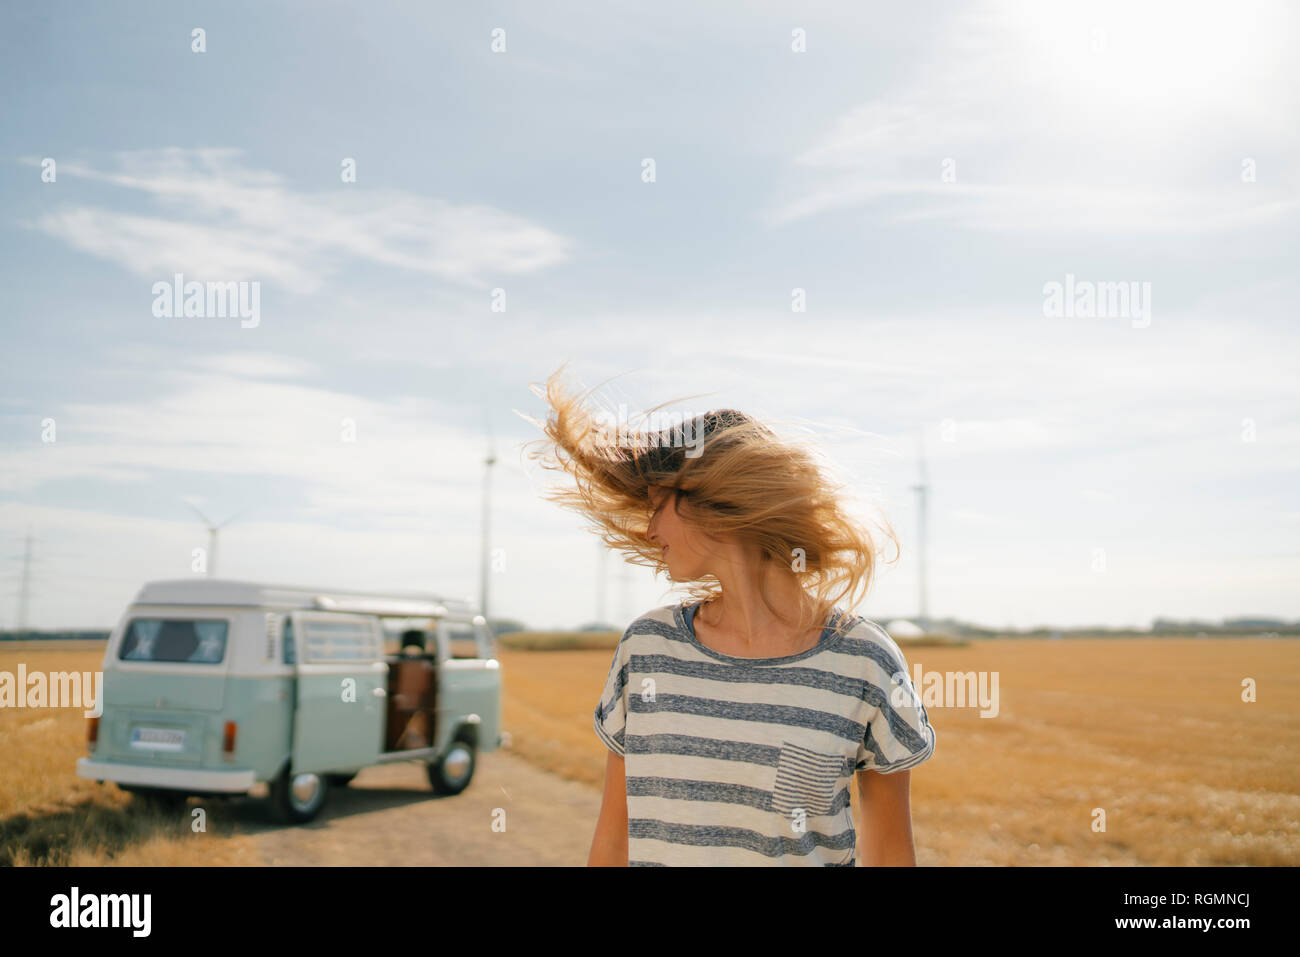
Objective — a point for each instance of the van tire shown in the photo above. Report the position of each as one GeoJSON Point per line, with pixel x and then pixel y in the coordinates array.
{"type": "Point", "coordinates": [445, 774]}
{"type": "Point", "coordinates": [290, 808]}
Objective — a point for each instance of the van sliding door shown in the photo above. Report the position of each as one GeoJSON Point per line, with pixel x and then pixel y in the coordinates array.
{"type": "Point", "coordinates": [342, 687]}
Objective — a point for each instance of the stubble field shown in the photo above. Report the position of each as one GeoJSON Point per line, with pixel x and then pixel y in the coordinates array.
{"type": "Point", "coordinates": [1153, 732]}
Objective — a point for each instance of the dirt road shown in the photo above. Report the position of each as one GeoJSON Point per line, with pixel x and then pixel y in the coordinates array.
{"type": "Point", "coordinates": [388, 815]}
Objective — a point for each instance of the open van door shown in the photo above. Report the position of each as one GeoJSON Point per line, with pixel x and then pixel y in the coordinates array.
{"type": "Point", "coordinates": [342, 686]}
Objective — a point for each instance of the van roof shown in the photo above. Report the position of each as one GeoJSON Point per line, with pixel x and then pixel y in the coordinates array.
{"type": "Point", "coordinates": [221, 591]}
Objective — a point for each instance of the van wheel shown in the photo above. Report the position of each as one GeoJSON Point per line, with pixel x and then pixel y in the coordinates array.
{"type": "Point", "coordinates": [451, 773]}
{"type": "Point", "coordinates": [340, 780]}
{"type": "Point", "coordinates": [297, 798]}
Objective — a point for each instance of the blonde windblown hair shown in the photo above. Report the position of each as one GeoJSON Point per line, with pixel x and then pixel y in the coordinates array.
{"type": "Point", "coordinates": [736, 480]}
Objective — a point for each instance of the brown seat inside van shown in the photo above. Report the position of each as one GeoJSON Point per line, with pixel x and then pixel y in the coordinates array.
{"type": "Point", "coordinates": [412, 700]}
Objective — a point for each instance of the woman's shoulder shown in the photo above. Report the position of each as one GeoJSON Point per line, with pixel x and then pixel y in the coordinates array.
{"type": "Point", "coordinates": [873, 641]}
{"type": "Point", "coordinates": [863, 626]}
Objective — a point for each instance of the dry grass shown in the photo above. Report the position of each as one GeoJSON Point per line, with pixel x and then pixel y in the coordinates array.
{"type": "Point", "coordinates": [1153, 731]}
{"type": "Point", "coordinates": [558, 640]}
{"type": "Point", "coordinates": [48, 815]}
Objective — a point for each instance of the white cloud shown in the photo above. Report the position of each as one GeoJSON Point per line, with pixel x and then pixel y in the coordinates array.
{"type": "Point", "coordinates": [1097, 496]}
{"type": "Point", "coordinates": [223, 221]}
{"type": "Point", "coordinates": [1097, 117]}
{"type": "Point", "coordinates": [226, 423]}
{"type": "Point", "coordinates": [255, 365]}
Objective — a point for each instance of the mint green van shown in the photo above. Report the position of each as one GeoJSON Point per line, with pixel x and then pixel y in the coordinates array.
{"type": "Point", "coordinates": [220, 687]}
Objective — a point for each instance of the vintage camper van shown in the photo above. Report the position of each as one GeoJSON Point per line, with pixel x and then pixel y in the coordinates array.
{"type": "Point", "coordinates": [215, 687]}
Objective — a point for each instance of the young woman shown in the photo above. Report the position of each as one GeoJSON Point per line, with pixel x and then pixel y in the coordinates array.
{"type": "Point", "coordinates": [737, 719]}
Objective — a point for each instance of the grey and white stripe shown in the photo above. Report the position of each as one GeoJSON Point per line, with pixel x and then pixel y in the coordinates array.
{"type": "Point", "coordinates": [749, 761]}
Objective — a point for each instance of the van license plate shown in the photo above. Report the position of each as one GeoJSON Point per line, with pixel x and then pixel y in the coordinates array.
{"type": "Point", "coordinates": [158, 739]}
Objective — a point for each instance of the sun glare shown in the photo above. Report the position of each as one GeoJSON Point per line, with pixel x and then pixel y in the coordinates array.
{"type": "Point", "coordinates": [1175, 55]}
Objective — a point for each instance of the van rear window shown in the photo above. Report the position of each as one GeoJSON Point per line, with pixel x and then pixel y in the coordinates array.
{"type": "Point", "coordinates": [167, 639]}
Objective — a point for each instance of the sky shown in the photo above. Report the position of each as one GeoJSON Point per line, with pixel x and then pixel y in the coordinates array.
{"type": "Point", "coordinates": [1051, 248]}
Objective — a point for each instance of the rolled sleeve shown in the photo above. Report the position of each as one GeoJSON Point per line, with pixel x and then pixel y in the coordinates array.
{"type": "Point", "coordinates": [898, 734]}
{"type": "Point", "coordinates": [610, 716]}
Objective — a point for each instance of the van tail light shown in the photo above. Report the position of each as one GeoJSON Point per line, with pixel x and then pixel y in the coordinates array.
{"type": "Point", "coordinates": [228, 741]}
{"type": "Point", "coordinates": [92, 732]}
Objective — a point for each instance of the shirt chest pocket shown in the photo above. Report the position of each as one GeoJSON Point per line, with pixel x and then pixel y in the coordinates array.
{"type": "Point", "coordinates": [806, 779]}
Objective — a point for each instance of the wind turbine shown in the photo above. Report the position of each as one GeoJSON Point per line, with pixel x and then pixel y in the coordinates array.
{"type": "Point", "coordinates": [922, 490]}
{"type": "Point", "coordinates": [485, 571]}
{"type": "Point", "coordinates": [212, 537]}
{"type": "Point", "coordinates": [602, 575]}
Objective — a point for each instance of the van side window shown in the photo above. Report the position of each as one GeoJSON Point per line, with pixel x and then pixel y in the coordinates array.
{"type": "Point", "coordinates": [289, 656]}
{"type": "Point", "coordinates": [329, 638]}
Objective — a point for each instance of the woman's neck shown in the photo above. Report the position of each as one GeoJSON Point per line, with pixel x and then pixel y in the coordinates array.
{"type": "Point", "coordinates": [740, 611]}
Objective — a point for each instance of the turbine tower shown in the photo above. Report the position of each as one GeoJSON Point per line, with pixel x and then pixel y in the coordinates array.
{"type": "Point", "coordinates": [602, 576]}
{"type": "Point", "coordinates": [26, 587]}
{"type": "Point", "coordinates": [212, 537]}
{"type": "Point", "coordinates": [485, 570]}
{"type": "Point", "coordinates": [922, 490]}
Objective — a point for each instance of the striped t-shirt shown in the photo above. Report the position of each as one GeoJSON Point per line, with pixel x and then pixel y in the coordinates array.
{"type": "Point", "coordinates": [749, 761]}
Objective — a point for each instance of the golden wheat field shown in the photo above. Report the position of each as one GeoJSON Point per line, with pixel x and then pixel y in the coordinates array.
{"type": "Point", "coordinates": [1152, 731]}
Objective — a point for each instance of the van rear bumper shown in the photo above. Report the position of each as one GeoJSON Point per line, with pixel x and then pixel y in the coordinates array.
{"type": "Point", "coordinates": [180, 778]}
